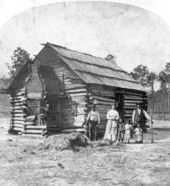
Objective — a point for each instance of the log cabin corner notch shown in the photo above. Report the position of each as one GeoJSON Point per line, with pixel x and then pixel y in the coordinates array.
{"type": "Point", "coordinates": [68, 82]}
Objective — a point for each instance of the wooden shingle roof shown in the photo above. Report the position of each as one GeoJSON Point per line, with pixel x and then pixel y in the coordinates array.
{"type": "Point", "coordinates": [96, 70]}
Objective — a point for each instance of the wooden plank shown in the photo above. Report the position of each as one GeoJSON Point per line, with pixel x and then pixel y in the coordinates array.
{"type": "Point", "coordinates": [16, 111]}
{"type": "Point", "coordinates": [80, 95]}
{"type": "Point", "coordinates": [18, 122]}
{"type": "Point", "coordinates": [101, 98]}
{"type": "Point", "coordinates": [102, 93]}
{"type": "Point", "coordinates": [78, 90]}
{"type": "Point", "coordinates": [125, 92]}
{"type": "Point", "coordinates": [35, 127]}
{"type": "Point", "coordinates": [130, 97]}
{"type": "Point", "coordinates": [19, 125]}
{"type": "Point", "coordinates": [33, 132]}
{"type": "Point", "coordinates": [74, 86]}
{"type": "Point", "coordinates": [19, 115]}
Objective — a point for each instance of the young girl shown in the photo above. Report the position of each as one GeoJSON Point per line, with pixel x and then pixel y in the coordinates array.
{"type": "Point", "coordinates": [128, 132]}
{"type": "Point", "coordinates": [121, 130]}
{"type": "Point", "coordinates": [138, 135]}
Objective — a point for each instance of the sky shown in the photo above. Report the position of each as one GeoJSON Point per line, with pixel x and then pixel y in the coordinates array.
{"type": "Point", "coordinates": [138, 34]}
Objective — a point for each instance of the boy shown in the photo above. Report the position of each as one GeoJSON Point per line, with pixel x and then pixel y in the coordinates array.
{"type": "Point", "coordinates": [128, 132]}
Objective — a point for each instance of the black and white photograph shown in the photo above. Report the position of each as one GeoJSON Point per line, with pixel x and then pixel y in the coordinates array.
{"type": "Point", "coordinates": [84, 93]}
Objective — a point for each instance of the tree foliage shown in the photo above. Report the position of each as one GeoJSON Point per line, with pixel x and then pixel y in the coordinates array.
{"type": "Point", "coordinates": [164, 77]}
{"type": "Point", "coordinates": [111, 57]}
{"type": "Point", "coordinates": [142, 74]}
{"type": "Point", "coordinates": [19, 58]}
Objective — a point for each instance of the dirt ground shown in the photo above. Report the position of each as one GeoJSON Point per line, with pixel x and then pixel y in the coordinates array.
{"type": "Point", "coordinates": [23, 164]}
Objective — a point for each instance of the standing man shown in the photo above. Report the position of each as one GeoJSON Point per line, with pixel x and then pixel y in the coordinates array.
{"type": "Point", "coordinates": [111, 127]}
{"type": "Point", "coordinates": [139, 117]}
{"type": "Point", "coordinates": [93, 120]}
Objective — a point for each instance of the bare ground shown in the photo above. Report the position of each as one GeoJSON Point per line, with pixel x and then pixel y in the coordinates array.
{"type": "Point", "coordinates": [23, 164]}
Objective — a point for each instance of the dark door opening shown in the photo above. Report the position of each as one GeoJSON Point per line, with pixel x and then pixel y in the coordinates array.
{"type": "Point", "coordinates": [119, 104]}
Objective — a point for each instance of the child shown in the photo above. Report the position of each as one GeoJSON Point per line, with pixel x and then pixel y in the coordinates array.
{"type": "Point", "coordinates": [138, 135]}
{"type": "Point", "coordinates": [121, 130]}
{"type": "Point", "coordinates": [128, 132]}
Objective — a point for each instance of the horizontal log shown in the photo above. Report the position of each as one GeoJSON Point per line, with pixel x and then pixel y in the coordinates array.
{"type": "Point", "coordinates": [20, 93]}
{"type": "Point", "coordinates": [19, 115]}
{"type": "Point", "coordinates": [132, 101]}
{"type": "Point", "coordinates": [73, 130]}
{"type": "Point", "coordinates": [18, 122]}
{"type": "Point", "coordinates": [125, 115]}
{"type": "Point", "coordinates": [134, 98]}
{"type": "Point", "coordinates": [128, 112]}
{"type": "Point", "coordinates": [78, 90]}
{"type": "Point", "coordinates": [16, 111]}
{"type": "Point", "coordinates": [16, 104]}
{"type": "Point", "coordinates": [72, 87]}
{"type": "Point", "coordinates": [79, 95]}
{"type": "Point", "coordinates": [35, 127]}
{"type": "Point", "coordinates": [17, 101]}
{"type": "Point", "coordinates": [18, 125]}
{"type": "Point", "coordinates": [130, 104]}
{"type": "Point", "coordinates": [102, 93]}
{"type": "Point", "coordinates": [105, 103]}
{"type": "Point", "coordinates": [101, 98]}
{"type": "Point", "coordinates": [29, 123]}
{"type": "Point", "coordinates": [70, 103]}
{"type": "Point", "coordinates": [16, 107]}
{"type": "Point", "coordinates": [125, 92]}
{"type": "Point", "coordinates": [33, 132]}
{"type": "Point", "coordinates": [16, 95]}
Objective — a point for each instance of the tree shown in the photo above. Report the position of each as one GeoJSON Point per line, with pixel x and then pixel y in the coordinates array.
{"type": "Point", "coordinates": [164, 77]}
{"type": "Point", "coordinates": [151, 79]}
{"type": "Point", "coordinates": [19, 58]}
{"type": "Point", "coordinates": [111, 57]}
{"type": "Point", "coordinates": [140, 74]}
{"type": "Point", "coordinates": [144, 77]}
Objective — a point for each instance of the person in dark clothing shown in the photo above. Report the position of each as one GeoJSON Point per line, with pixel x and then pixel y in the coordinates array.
{"type": "Point", "coordinates": [93, 120]}
{"type": "Point", "coordinates": [140, 117]}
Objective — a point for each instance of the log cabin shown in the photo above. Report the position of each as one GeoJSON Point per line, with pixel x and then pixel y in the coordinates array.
{"type": "Point", "coordinates": [68, 82]}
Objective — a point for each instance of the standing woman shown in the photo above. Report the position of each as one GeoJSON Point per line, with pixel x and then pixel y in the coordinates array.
{"type": "Point", "coordinates": [111, 127]}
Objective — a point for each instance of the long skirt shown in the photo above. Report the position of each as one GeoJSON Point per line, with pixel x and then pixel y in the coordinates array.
{"type": "Point", "coordinates": [111, 131]}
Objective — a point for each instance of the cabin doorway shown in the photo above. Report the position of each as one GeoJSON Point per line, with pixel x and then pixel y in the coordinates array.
{"type": "Point", "coordinates": [53, 117]}
{"type": "Point", "coordinates": [119, 104]}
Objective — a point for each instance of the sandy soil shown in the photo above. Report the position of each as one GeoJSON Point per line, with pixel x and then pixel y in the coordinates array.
{"type": "Point", "coordinates": [23, 164]}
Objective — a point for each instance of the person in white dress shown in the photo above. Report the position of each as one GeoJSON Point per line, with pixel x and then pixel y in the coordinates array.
{"type": "Point", "coordinates": [111, 127]}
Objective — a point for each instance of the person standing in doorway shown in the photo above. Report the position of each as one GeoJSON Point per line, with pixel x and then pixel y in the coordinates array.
{"type": "Point", "coordinates": [111, 127]}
